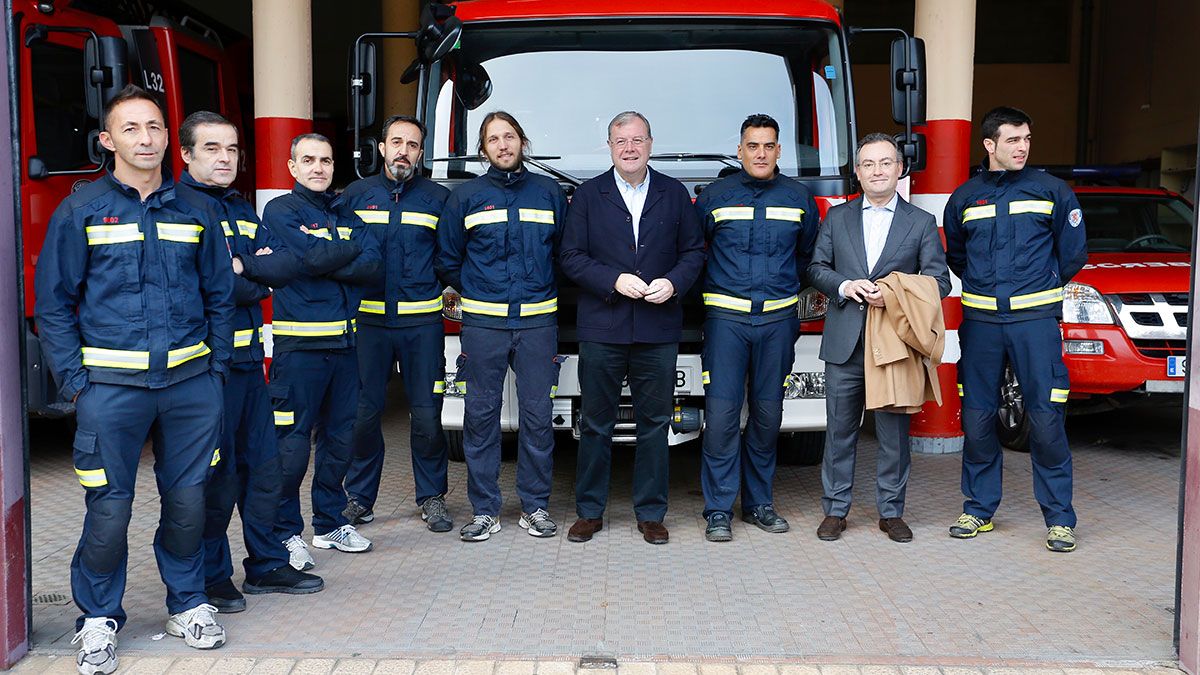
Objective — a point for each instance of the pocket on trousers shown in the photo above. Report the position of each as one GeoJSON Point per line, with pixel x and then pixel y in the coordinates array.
{"type": "Point", "coordinates": [281, 403]}
{"type": "Point", "coordinates": [89, 465]}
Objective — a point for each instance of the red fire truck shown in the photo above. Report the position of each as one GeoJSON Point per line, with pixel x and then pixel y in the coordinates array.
{"type": "Point", "coordinates": [69, 60]}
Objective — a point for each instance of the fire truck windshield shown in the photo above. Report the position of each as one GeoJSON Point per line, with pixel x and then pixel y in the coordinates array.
{"type": "Point", "coordinates": [695, 82]}
{"type": "Point", "coordinates": [1132, 222]}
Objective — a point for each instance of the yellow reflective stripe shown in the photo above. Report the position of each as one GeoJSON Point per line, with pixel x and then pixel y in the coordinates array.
{"type": "Point", "coordinates": [1059, 395]}
{"type": "Point", "coordinates": [978, 301]}
{"type": "Point", "coordinates": [733, 213]}
{"type": "Point", "coordinates": [727, 302]}
{"type": "Point", "coordinates": [543, 307]}
{"type": "Point", "coordinates": [322, 232]}
{"type": "Point", "coordinates": [439, 387]}
{"type": "Point", "coordinates": [92, 477]}
{"type": "Point", "coordinates": [417, 218]}
{"type": "Point", "coordinates": [481, 307]}
{"type": "Point", "coordinates": [536, 216]}
{"type": "Point", "coordinates": [419, 306]}
{"type": "Point", "coordinates": [772, 305]}
{"type": "Point", "coordinates": [485, 217]}
{"type": "Point", "coordinates": [978, 212]}
{"type": "Point", "coordinates": [243, 338]}
{"type": "Point", "coordinates": [178, 357]}
{"type": "Point", "coordinates": [372, 306]}
{"type": "Point", "coordinates": [704, 379]}
{"type": "Point", "coordinates": [284, 418]}
{"type": "Point", "coordinates": [225, 227]}
{"type": "Point", "coordinates": [553, 390]}
{"type": "Point", "coordinates": [216, 457]}
{"type": "Point", "coordinates": [373, 217]}
{"type": "Point", "coordinates": [461, 385]}
{"type": "Point", "coordinates": [309, 328]}
{"type": "Point", "coordinates": [344, 232]}
{"type": "Point", "coordinates": [248, 228]}
{"type": "Point", "coordinates": [785, 213]}
{"type": "Point", "coordinates": [113, 234]}
{"type": "Point", "coordinates": [116, 358]}
{"type": "Point", "coordinates": [184, 233]}
{"type": "Point", "coordinates": [960, 390]}
{"type": "Point", "coordinates": [1031, 206]}
{"type": "Point", "coordinates": [1047, 297]}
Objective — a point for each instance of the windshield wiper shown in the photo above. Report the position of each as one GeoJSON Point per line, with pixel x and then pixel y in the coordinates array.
{"type": "Point", "coordinates": [728, 160]}
{"type": "Point", "coordinates": [533, 160]}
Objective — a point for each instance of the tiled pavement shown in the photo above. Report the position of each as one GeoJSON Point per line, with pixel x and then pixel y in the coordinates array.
{"type": "Point", "coordinates": [999, 599]}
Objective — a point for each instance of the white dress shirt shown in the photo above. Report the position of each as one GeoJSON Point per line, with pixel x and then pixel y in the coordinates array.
{"type": "Point", "coordinates": [634, 197]}
{"type": "Point", "coordinates": [877, 222]}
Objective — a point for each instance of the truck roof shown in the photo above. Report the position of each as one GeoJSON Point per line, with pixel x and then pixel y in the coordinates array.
{"type": "Point", "coordinates": [498, 10]}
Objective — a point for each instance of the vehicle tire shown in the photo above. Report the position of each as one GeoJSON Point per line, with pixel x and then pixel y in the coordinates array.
{"type": "Point", "coordinates": [1012, 424]}
{"type": "Point", "coordinates": [454, 445]}
{"type": "Point", "coordinates": [802, 448]}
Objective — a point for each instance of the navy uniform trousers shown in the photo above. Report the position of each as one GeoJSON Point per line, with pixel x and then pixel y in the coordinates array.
{"type": "Point", "coordinates": [1034, 348]}
{"type": "Point", "coordinates": [420, 352]}
{"type": "Point", "coordinates": [732, 351]}
{"type": "Point", "coordinates": [314, 389]}
{"type": "Point", "coordinates": [249, 475]}
{"type": "Point", "coordinates": [487, 354]}
{"type": "Point", "coordinates": [184, 423]}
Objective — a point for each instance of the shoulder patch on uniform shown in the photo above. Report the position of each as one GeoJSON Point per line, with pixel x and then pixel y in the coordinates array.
{"type": "Point", "coordinates": [1075, 217]}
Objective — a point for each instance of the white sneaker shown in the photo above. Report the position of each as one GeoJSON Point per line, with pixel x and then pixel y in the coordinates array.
{"type": "Point", "coordinates": [298, 556]}
{"type": "Point", "coordinates": [98, 653]}
{"type": "Point", "coordinates": [345, 538]}
{"type": "Point", "coordinates": [538, 524]}
{"type": "Point", "coordinates": [197, 627]}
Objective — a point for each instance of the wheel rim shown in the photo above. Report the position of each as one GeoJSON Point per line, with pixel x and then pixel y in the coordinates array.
{"type": "Point", "coordinates": [1012, 404]}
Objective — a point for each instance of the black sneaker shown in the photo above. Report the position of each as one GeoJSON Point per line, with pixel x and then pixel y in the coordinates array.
{"type": "Point", "coordinates": [764, 518]}
{"type": "Point", "coordinates": [357, 514]}
{"type": "Point", "coordinates": [719, 528]}
{"type": "Point", "coordinates": [436, 516]}
{"type": "Point", "coordinates": [284, 580]}
{"type": "Point", "coordinates": [225, 597]}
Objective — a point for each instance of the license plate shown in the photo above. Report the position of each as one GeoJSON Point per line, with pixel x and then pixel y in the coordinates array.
{"type": "Point", "coordinates": [1176, 366]}
{"type": "Point", "coordinates": [683, 376]}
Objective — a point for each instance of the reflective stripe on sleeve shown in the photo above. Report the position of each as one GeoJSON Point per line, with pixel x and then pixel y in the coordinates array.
{"type": "Point", "coordinates": [247, 228]}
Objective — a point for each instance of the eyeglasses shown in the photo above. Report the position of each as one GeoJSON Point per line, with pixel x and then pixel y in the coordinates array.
{"type": "Point", "coordinates": [869, 165]}
{"type": "Point", "coordinates": [636, 141]}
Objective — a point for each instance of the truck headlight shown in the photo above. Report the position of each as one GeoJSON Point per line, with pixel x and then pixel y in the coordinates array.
{"type": "Point", "coordinates": [1084, 304]}
{"type": "Point", "coordinates": [812, 305]}
{"type": "Point", "coordinates": [451, 304]}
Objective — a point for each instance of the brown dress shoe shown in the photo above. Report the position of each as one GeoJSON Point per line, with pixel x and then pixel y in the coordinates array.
{"type": "Point", "coordinates": [897, 529]}
{"type": "Point", "coordinates": [653, 532]}
{"type": "Point", "coordinates": [831, 528]}
{"type": "Point", "coordinates": [584, 528]}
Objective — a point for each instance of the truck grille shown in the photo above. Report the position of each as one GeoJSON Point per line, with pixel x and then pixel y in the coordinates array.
{"type": "Point", "coordinates": [1152, 317]}
{"type": "Point", "coordinates": [1161, 349]}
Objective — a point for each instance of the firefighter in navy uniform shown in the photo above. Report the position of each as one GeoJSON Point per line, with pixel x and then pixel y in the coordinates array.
{"type": "Point", "coordinates": [1015, 237]}
{"type": "Point", "coordinates": [498, 239]}
{"type": "Point", "coordinates": [250, 474]}
{"type": "Point", "coordinates": [760, 228]}
{"type": "Point", "coordinates": [400, 321]}
{"type": "Point", "coordinates": [314, 370]}
{"type": "Point", "coordinates": [135, 310]}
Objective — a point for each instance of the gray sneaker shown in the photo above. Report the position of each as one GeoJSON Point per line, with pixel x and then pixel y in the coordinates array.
{"type": "Point", "coordinates": [436, 516]}
{"type": "Point", "coordinates": [538, 524]}
{"type": "Point", "coordinates": [198, 627]}
{"type": "Point", "coordinates": [480, 528]}
{"type": "Point", "coordinates": [98, 653]}
{"type": "Point", "coordinates": [357, 514]}
{"type": "Point", "coordinates": [764, 518]}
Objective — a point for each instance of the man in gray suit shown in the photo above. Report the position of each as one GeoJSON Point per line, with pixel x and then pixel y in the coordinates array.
{"type": "Point", "coordinates": [861, 241]}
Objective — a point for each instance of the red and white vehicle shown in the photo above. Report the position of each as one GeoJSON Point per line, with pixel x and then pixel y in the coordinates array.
{"type": "Point", "coordinates": [1125, 315]}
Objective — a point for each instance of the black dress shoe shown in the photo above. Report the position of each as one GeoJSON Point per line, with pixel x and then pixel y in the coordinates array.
{"type": "Point", "coordinates": [284, 579]}
{"type": "Point", "coordinates": [897, 529]}
{"type": "Point", "coordinates": [831, 528]}
{"type": "Point", "coordinates": [225, 597]}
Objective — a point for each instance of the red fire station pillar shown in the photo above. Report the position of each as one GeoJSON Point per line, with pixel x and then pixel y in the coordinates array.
{"type": "Point", "coordinates": [14, 582]}
{"type": "Point", "coordinates": [282, 89]}
{"type": "Point", "coordinates": [948, 28]}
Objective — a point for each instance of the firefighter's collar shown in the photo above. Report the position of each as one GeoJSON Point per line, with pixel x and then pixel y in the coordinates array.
{"type": "Point", "coordinates": [165, 192]}
{"type": "Point", "coordinates": [214, 190]}
{"type": "Point", "coordinates": [320, 200]}
{"type": "Point", "coordinates": [757, 183]}
{"type": "Point", "coordinates": [507, 178]}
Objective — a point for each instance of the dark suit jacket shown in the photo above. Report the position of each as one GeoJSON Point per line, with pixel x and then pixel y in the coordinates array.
{"type": "Point", "coordinates": [913, 246]}
{"type": "Point", "coordinates": [598, 246]}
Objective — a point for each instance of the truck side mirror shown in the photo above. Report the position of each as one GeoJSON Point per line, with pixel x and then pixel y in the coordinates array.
{"type": "Point", "coordinates": [437, 40]}
{"type": "Point", "coordinates": [37, 168]}
{"type": "Point", "coordinates": [362, 83]}
{"type": "Point", "coordinates": [369, 160]}
{"type": "Point", "coordinates": [913, 150]}
{"type": "Point", "coordinates": [472, 85]}
{"type": "Point", "coordinates": [94, 149]}
{"type": "Point", "coordinates": [908, 80]}
{"type": "Point", "coordinates": [105, 64]}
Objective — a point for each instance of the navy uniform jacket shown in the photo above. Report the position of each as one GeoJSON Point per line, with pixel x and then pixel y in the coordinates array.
{"type": "Point", "coordinates": [598, 247]}
{"type": "Point", "coordinates": [131, 292]}
{"type": "Point", "coordinates": [1015, 238]}
{"type": "Point", "coordinates": [316, 310]}
{"type": "Point", "coordinates": [498, 239]}
{"type": "Point", "coordinates": [244, 235]}
{"type": "Point", "coordinates": [404, 218]}
{"type": "Point", "coordinates": [760, 240]}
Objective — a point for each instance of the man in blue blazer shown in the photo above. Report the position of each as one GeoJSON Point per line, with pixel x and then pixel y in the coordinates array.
{"type": "Point", "coordinates": [634, 244]}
